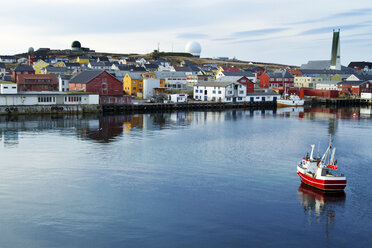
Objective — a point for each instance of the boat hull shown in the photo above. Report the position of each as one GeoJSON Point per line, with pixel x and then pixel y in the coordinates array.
{"type": "Point", "coordinates": [326, 185]}
{"type": "Point", "coordinates": [289, 103]}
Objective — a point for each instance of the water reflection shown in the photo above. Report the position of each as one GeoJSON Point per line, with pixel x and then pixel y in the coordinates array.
{"type": "Point", "coordinates": [320, 206]}
{"type": "Point", "coordinates": [108, 128]}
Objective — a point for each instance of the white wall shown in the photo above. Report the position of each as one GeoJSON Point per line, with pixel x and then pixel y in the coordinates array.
{"type": "Point", "coordinates": [148, 87]}
{"type": "Point", "coordinates": [8, 88]}
{"type": "Point", "coordinates": [48, 99]}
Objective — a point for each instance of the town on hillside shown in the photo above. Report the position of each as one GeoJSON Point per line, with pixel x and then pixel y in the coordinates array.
{"type": "Point", "coordinates": [81, 76]}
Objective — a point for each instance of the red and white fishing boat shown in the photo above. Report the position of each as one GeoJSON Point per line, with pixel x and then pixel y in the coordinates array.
{"type": "Point", "coordinates": [320, 172]}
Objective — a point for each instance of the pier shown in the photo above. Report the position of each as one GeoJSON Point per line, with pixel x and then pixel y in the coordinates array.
{"type": "Point", "coordinates": [158, 107]}
{"type": "Point", "coordinates": [338, 102]}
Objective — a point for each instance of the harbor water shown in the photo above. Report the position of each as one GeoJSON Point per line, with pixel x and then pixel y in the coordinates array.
{"type": "Point", "coordinates": [182, 179]}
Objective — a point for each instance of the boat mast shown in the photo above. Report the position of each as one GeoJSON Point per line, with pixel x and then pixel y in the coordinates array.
{"type": "Point", "coordinates": [312, 152]}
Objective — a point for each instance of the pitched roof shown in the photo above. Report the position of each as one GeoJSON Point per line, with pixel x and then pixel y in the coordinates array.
{"type": "Point", "coordinates": [279, 74]}
{"type": "Point", "coordinates": [230, 68]}
{"type": "Point", "coordinates": [364, 77]}
{"type": "Point", "coordinates": [97, 64]}
{"type": "Point", "coordinates": [24, 68]}
{"type": "Point", "coordinates": [85, 76]}
{"type": "Point", "coordinates": [360, 65]}
{"type": "Point", "coordinates": [55, 69]}
{"type": "Point", "coordinates": [135, 75]}
{"type": "Point", "coordinates": [238, 73]}
{"type": "Point", "coordinates": [215, 84]}
{"type": "Point", "coordinates": [352, 82]}
{"type": "Point", "coordinates": [228, 79]}
{"type": "Point", "coordinates": [73, 64]}
{"type": "Point", "coordinates": [316, 65]}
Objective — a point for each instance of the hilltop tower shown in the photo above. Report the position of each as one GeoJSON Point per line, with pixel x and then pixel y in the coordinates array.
{"type": "Point", "coordinates": [335, 53]}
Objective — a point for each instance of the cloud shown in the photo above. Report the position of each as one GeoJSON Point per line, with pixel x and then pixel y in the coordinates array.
{"type": "Point", "coordinates": [328, 29]}
{"type": "Point", "coordinates": [259, 32]}
{"type": "Point", "coordinates": [351, 13]}
{"type": "Point", "coordinates": [192, 36]}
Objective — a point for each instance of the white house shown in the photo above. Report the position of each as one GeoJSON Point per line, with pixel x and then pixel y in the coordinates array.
{"type": "Point", "coordinates": [177, 97]}
{"type": "Point", "coordinates": [248, 74]}
{"type": "Point", "coordinates": [47, 98]}
{"type": "Point", "coordinates": [220, 91]}
{"type": "Point", "coordinates": [141, 61]}
{"type": "Point", "coordinates": [8, 88]}
{"type": "Point", "coordinates": [63, 82]}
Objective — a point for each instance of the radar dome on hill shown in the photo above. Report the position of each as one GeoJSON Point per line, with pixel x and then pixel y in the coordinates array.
{"type": "Point", "coordinates": [31, 50]}
{"type": "Point", "coordinates": [194, 48]}
{"type": "Point", "coordinates": [75, 46]}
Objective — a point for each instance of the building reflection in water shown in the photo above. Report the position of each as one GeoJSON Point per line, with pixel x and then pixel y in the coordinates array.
{"type": "Point", "coordinates": [320, 206]}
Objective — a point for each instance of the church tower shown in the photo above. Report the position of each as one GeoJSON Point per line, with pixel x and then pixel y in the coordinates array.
{"type": "Point", "coordinates": [335, 54]}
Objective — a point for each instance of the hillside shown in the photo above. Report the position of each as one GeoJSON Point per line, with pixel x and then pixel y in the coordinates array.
{"type": "Point", "coordinates": [174, 58]}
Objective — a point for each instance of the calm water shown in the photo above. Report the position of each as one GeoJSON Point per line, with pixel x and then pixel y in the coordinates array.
{"type": "Point", "coordinates": [198, 179]}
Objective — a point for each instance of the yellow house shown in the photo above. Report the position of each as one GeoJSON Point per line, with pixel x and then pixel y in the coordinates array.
{"type": "Point", "coordinates": [39, 65]}
{"type": "Point", "coordinates": [307, 82]}
{"type": "Point", "coordinates": [82, 59]}
{"type": "Point", "coordinates": [133, 82]}
{"type": "Point", "coordinates": [60, 64]}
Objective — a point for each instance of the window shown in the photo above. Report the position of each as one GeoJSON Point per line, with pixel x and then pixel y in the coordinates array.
{"type": "Point", "coordinates": [219, 92]}
{"type": "Point", "coordinates": [239, 98]}
{"type": "Point", "coordinates": [214, 92]}
{"type": "Point", "coordinates": [241, 91]}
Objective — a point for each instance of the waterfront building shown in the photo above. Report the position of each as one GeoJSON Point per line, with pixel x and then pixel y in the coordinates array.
{"type": "Point", "coordinates": [307, 82]}
{"type": "Point", "coordinates": [354, 88]}
{"type": "Point", "coordinates": [37, 82]}
{"type": "Point", "coordinates": [32, 98]}
{"type": "Point", "coordinates": [327, 85]}
{"type": "Point", "coordinates": [277, 79]}
{"type": "Point", "coordinates": [21, 70]}
{"type": "Point", "coordinates": [220, 91]}
{"type": "Point", "coordinates": [248, 74]}
{"type": "Point", "coordinates": [176, 80]}
{"type": "Point", "coordinates": [250, 85]}
{"type": "Point", "coordinates": [39, 65]}
{"type": "Point", "coordinates": [8, 87]}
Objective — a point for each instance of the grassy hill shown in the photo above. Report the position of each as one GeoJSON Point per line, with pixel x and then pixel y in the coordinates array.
{"type": "Point", "coordinates": [174, 58]}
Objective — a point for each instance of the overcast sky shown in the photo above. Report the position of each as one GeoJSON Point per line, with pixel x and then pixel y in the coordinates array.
{"type": "Point", "coordinates": [287, 31]}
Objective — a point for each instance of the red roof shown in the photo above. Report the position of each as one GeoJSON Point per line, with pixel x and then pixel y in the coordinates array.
{"type": "Point", "coordinates": [230, 68]}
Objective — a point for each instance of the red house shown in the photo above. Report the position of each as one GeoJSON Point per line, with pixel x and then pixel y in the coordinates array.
{"type": "Point", "coordinates": [278, 79]}
{"type": "Point", "coordinates": [109, 88]}
{"type": "Point", "coordinates": [248, 83]}
{"type": "Point", "coordinates": [20, 70]}
{"type": "Point", "coordinates": [37, 82]}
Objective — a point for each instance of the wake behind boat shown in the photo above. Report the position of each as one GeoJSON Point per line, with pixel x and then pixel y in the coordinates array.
{"type": "Point", "coordinates": [319, 172]}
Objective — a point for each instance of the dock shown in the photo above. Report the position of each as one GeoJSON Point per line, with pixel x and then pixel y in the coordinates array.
{"type": "Point", "coordinates": [338, 102]}
{"type": "Point", "coordinates": [159, 107]}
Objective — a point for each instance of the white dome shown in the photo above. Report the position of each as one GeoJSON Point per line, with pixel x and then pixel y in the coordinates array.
{"type": "Point", "coordinates": [194, 48]}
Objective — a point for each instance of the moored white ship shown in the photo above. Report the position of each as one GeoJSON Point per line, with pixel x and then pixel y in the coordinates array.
{"type": "Point", "coordinates": [289, 101]}
{"type": "Point", "coordinates": [319, 172]}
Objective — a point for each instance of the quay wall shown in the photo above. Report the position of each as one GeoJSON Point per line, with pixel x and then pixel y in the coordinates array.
{"type": "Point", "coordinates": [49, 109]}
{"type": "Point", "coordinates": [159, 107]}
{"type": "Point", "coordinates": [338, 102]}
